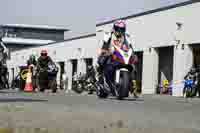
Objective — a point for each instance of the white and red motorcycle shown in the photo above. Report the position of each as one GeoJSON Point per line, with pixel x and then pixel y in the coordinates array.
{"type": "Point", "coordinates": [123, 59]}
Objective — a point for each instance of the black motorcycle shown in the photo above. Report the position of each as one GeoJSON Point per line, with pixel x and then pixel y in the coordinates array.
{"type": "Point", "coordinates": [84, 83]}
{"type": "Point", "coordinates": [47, 78]}
{"type": "Point", "coordinates": [78, 84]}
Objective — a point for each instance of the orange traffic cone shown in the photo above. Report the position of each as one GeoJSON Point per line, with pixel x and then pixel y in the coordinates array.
{"type": "Point", "coordinates": [29, 86]}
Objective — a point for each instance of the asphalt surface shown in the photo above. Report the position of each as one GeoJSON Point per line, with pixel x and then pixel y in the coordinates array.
{"type": "Point", "coordinates": [148, 113]}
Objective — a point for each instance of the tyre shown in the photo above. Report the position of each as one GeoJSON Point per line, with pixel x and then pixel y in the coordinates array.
{"type": "Point", "coordinates": [42, 89]}
{"type": "Point", "coordinates": [34, 84]}
{"type": "Point", "coordinates": [2, 82]}
{"type": "Point", "coordinates": [101, 94]}
{"type": "Point", "coordinates": [78, 87]}
{"type": "Point", "coordinates": [124, 85]}
{"type": "Point", "coordinates": [53, 86]}
{"type": "Point", "coordinates": [43, 85]}
{"type": "Point", "coordinates": [1, 87]}
{"type": "Point", "coordinates": [43, 81]}
{"type": "Point", "coordinates": [91, 88]}
{"type": "Point", "coordinates": [90, 91]}
{"type": "Point", "coordinates": [188, 92]}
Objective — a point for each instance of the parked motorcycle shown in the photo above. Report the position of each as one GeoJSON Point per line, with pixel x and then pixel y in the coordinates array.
{"type": "Point", "coordinates": [84, 83]}
{"type": "Point", "coordinates": [78, 84]}
{"type": "Point", "coordinates": [123, 60]}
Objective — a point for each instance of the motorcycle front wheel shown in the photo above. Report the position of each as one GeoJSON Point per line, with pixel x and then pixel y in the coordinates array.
{"type": "Point", "coordinates": [124, 85]}
{"type": "Point", "coordinates": [188, 92]}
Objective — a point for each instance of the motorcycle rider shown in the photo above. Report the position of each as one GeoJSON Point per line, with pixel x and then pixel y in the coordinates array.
{"type": "Point", "coordinates": [197, 81]}
{"type": "Point", "coordinates": [43, 60]}
{"type": "Point", "coordinates": [192, 75]}
{"type": "Point", "coordinates": [42, 63]}
{"type": "Point", "coordinates": [4, 75]}
{"type": "Point", "coordinates": [117, 36]}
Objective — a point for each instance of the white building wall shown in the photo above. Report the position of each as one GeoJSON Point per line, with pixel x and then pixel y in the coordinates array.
{"type": "Point", "coordinates": [158, 29]}
{"type": "Point", "coordinates": [64, 51]}
{"type": "Point", "coordinates": [58, 75]}
{"type": "Point", "coordinates": [150, 71]}
{"type": "Point", "coordinates": [68, 70]}
{"type": "Point", "coordinates": [183, 60]}
{"type": "Point", "coordinates": [59, 51]}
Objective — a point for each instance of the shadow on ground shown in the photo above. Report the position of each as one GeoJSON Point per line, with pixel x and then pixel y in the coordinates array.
{"type": "Point", "coordinates": [7, 91]}
{"type": "Point", "coordinates": [4, 100]}
{"type": "Point", "coordinates": [126, 99]}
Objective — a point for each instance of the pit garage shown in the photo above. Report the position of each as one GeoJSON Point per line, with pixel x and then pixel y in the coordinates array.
{"type": "Point", "coordinates": [196, 54]}
{"type": "Point", "coordinates": [139, 66]}
{"type": "Point", "coordinates": [165, 64]}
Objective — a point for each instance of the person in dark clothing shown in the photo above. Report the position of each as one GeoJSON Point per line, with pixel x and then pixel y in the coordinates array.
{"type": "Point", "coordinates": [43, 60]}
{"type": "Point", "coordinates": [192, 75]}
{"type": "Point", "coordinates": [4, 76]}
{"type": "Point", "coordinates": [42, 70]}
{"type": "Point", "coordinates": [197, 82]}
{"type": "Point", "coordinates": [32, 60]}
